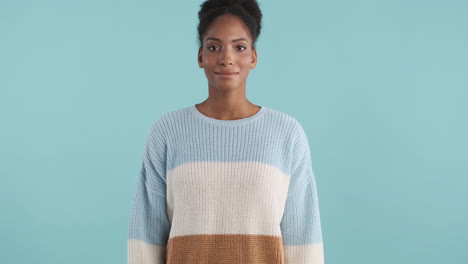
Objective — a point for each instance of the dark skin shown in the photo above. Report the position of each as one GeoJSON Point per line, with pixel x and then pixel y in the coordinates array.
{"type": "Point", "coordinates": [227, 47]}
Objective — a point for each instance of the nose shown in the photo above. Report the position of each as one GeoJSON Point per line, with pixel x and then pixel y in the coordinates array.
{"type": "Point", "coordinates": [226, 56]}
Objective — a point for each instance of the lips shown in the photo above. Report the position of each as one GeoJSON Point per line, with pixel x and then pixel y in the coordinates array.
{"type": "Point", "coordinates": [226, 73]}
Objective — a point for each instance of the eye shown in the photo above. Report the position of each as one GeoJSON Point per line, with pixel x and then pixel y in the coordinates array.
{"type": "Point", "coordinates": [213, 48]}
{"type": "Point", "coordinates": [241, 48]}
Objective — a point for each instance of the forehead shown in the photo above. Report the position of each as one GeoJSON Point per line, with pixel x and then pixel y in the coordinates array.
{"type": "Point", "coordinates": [226, 28]}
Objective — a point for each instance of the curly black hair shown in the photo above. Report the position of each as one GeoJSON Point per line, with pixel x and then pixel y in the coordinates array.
{"type": "Point", "coordinates": [247, 10]}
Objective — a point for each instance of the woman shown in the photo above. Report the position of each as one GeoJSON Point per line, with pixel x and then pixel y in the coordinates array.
{"type": "Point", "coordinates": [226, 181]}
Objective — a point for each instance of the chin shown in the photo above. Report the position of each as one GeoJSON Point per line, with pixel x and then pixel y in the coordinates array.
{"type": "Point", "coordinates": [226, 86]}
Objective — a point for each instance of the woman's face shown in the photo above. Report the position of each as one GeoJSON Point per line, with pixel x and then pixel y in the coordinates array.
{"type": "Point", "coordinates": [226, 53]}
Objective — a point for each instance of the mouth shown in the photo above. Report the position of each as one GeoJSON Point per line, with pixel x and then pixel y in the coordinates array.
{"type": "Point", "coordinates": [226, 73]}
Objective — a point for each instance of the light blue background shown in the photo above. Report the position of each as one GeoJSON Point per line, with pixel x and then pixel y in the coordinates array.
{"type": "Point", "coordinates": [379, 86]}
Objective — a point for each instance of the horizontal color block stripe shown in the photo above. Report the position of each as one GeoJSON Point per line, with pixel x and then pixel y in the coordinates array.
{"type": "Point", "coordinates": [304, 254]}
{"type": "Point", "coordinates": [226, 249]}
{"type": "Point", "coordinates": [266, 139]}
{"type": "Point", "coordinates": [139, 252]}
{"type": "Point", "coordinates": [226, 198]}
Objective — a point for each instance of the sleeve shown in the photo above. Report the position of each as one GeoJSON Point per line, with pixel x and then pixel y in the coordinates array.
{"type": "Point", "coordinates": [149, 225]}
{"type": "Point", "coordinates": [300, 225]}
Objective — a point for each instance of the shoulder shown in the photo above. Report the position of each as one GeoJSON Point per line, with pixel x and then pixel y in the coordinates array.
{"type": "Point", "coordinates": [165, 122]}
{"type": "Point", "coordinates": [163, 125]}
{"type": "Point", "coordinates": [296, 133]}
{"type": "Point", "coordinates": [286, 119]}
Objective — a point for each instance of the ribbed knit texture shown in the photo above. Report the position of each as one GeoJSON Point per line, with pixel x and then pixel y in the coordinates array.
{"type": "Point", "coordinates": [226, 191]}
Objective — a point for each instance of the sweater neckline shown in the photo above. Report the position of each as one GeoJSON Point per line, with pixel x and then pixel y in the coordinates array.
{"type": "Point", "coordinates": [233, 122]}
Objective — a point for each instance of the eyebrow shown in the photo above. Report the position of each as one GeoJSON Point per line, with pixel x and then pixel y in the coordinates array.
{"type": "Point", "coordinates": [234, 40]}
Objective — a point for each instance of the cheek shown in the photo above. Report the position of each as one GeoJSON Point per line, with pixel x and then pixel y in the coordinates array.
{"type": "Point", "coordinates": [209, 59]}
{"type": "Point", "coordinates": [246, 59]}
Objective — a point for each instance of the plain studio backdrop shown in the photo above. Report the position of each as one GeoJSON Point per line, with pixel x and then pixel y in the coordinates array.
{"type": "Point", "coordinates": [381, 88]}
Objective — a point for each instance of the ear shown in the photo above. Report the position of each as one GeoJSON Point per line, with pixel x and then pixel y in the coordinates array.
{"type": "Point", "coordinates": [254, 59]}
{"type": "Point", "coordinates": [200, 61]}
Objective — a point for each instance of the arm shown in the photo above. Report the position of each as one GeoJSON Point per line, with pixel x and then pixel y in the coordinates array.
{"type": "Point", "coordinates": [300, 225]}
{"type": "Point", "coordinates": [149, 225]}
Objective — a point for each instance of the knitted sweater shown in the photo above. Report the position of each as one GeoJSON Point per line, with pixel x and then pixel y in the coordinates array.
{"type": "Point", "coordinates": [225, 191]}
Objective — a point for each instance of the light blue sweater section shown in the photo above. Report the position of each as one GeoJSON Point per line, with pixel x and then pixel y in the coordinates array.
{"type": "Point", "coordinates": [186, 135]}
